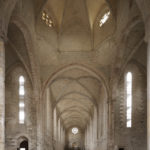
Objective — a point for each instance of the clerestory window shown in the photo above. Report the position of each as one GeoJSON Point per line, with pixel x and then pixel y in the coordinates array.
{"type": "Point", "coordinates": [21, 99]}
{"type": "Point", "coordinates": [104, 19]}
{"type": "Point", "coordinates": [129, 100]}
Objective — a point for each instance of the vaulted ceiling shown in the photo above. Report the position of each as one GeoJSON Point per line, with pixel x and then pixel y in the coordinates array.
{"type": "Point", "coordinates": [62, 9]}
{"type": "Point", "coordinates": [93, 6]}
{"type": "Point", "coordinates": [75, 34]}
{"type": "Point", "coordinates": [75, 95]}
{"type": "Point", "coordinates": [75, 37]}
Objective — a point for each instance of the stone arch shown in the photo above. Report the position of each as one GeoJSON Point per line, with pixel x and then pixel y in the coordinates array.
{"type": "Point", "coordinates": [86, 73]}
{"type": "Point", "coordinates": [21, 25]}
{"type": "Point", "coordinates": [14, 66]}
{"type": "Point", "coordinates": [61, 99]}
{"type": "Point", "coordinates": [134, 62]}
{"type": "Point", "coordinates": [127, 52]}
{"type": "Point", "coordinates": [20, 139]}
{"type": "Point", "coordinates": [99, 76]}
{"type": "Point", "coordinates": [137, 66]}
{"type": "Point", "coordinates": [10, 8]}
{"type": "Point", "coordinates": [77, 80]}
{"type": "Point", "coordinates": [71, 108]}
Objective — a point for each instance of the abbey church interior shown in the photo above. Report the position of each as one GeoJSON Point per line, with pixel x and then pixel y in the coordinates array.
{"type": "Point", "coordinates": [74, 74]}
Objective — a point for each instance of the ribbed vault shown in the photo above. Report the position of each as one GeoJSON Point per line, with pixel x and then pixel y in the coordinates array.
{"type": "Point", "coordinates": [75, 25]}
{"type": "Point", "coordinates": [88, 7]}
{"type": "Point", "coordinates": [75, 94]}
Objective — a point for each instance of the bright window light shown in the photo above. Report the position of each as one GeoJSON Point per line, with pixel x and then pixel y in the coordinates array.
{"type": "Point", "coordinates": [21, 99]}
{"type": "Point", "coordinates": [21, 117]}
{"type": "Point", "coordinates": [22, 149]}
{"type": "Point", "coordinates": [21, 91]}
{"type": "Point", "coordinates": [21, 86]}
{"type": "Point", "coordinates": [129, 124]}
{"type": "Point", "coordinates": [21, 104]}
{"type": "Point", "coordinates": [104, 19]}
{"type": "Point", "coordinates": [75, 130]}
{"type": "Point", "coordinates": [129, 99]}
{"type": "Point", "coordinates": [46, 19]}
{"type": "Point", "coordinates": [21, 80]}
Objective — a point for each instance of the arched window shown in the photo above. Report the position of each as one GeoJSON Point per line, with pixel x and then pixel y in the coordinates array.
{"type": "Point", "coordinates": [129, 99]}
{"type": "Point", "coordinates": [104, 19]}
{"type": "Point", "coordinates": [21, 99]}
{"type": "Point", "coordinates": [75, 130]}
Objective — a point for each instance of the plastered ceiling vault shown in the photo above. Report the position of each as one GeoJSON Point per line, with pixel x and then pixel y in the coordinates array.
{"type": "Point", "coordinates": [75, 37]}
{"type": "Point", "coordinates": [75, 97]}
{"type": "Point", "coordinates": [76, 24]}
{"type": "Point", "coordinates": [66, 9]}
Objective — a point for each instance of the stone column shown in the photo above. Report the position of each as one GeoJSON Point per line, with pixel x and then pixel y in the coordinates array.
{"type": "Point", "coordinates": [2, 95]}
{"type": "Point", "coordinates": [147, 31]}
{"type": "Point", "coordinates": [148, 97]}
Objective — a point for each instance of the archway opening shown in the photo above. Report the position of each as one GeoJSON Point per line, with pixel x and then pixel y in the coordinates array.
{"type": "Point", "coordinates": [23, 145]}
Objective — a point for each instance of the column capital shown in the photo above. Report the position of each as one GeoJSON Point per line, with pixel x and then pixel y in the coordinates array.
{"type": "Point", "coordinates": [147, 29]}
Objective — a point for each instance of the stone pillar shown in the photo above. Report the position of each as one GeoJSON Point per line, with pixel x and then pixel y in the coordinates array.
{"type": "Point", "coordinates": [147, 31]}
{"type": "Point", "coordinates": [2, 95]}
{"type": "Point", "coordinates": [148, 96]}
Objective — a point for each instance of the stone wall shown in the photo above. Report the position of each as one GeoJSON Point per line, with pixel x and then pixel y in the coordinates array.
{"type": "Point", "coordinates": [134, 137]}
{"type": "Point", "coordinates": [132, 58]}
{"type": "Point", "coordinates": [14, 130]}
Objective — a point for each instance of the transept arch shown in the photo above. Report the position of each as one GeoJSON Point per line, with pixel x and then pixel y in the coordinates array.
{"type": "Point", "coordinates": [99, 76]}
{"type": "Point", "coordinates": [20, 24]}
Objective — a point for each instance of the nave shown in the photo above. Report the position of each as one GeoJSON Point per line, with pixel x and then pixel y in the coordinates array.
{"type": "Point", "coordinates": [74, 75]}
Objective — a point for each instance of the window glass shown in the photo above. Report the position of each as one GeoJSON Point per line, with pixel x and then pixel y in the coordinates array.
{"type": "Point", "coordinates": [104, 19]}
{"type": "Point", "coordinates": [21, 99]}
{"type": "Point", "coordinates": [129, 99]}
{"type": "Point", "coordinates": [75, 130]}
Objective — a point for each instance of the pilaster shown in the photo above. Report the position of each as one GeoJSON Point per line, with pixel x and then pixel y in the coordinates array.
{"type": "Point", "coordinates": [2, 95]}
{"type": "Point", "coordinates": [147, 25]}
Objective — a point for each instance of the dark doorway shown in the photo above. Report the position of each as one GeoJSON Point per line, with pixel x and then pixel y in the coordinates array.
{"type": "Point", "coordinates": [24, 144]}
{"type": "Point", "coordinates": [121, 148]}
